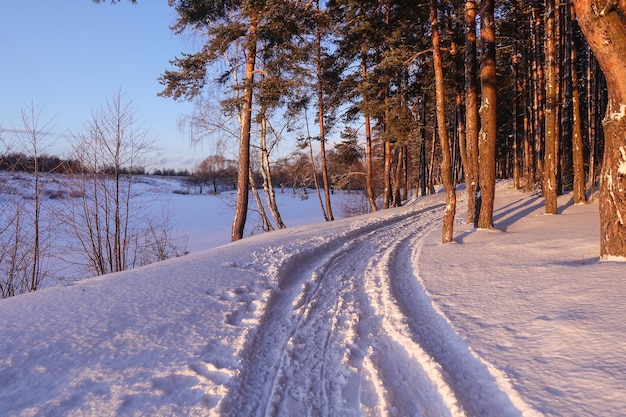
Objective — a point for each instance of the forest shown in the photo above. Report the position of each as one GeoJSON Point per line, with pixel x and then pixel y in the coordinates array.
{"type": "Point", "coordinates": [436, 92]}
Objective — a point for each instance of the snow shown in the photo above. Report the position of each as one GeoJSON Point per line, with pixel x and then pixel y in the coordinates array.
{"type": "Point", "coordinates": [365, 316]}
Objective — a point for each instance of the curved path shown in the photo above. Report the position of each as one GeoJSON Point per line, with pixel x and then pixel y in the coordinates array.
{"type": "Point", "coordinates": [349, 331]}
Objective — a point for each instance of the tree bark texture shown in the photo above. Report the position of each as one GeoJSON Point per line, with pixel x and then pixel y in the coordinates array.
{"type": "Point", "coordinates": [368, 141]}
{"type": "Point", "coordinates": [577, 136]}
{"type": "Point", "coordinates": [446, 164]}
{"type": "Point", "coordinates": [321, 115]}
{"type": "Point", "coordinates": [471, 109]}
{"type": "Point", "coordinates": [551, 154]}
{"type": "Point", "coordinates": [488, 122]}
{"type": "Point", "coordinates": [243, 182]}
{"type": "Point", "coordinates": [606, 36]}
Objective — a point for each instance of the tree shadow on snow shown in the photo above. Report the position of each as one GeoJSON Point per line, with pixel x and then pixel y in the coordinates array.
{"type": "Point", "coordinates": [505, 216]}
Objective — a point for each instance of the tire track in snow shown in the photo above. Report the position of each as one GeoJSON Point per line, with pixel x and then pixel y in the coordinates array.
{"type": "Point", "coordinates": [333, 340]}
{"type": "Point", "coordinates": [467, 376]}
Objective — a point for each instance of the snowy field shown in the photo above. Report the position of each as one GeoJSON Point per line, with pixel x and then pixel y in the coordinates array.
{"type": "Point", "coordinates": [365, 316]}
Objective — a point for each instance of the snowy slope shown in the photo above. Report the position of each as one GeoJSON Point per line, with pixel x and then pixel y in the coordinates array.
{"type": "Point", "coordinates": [368, 316]}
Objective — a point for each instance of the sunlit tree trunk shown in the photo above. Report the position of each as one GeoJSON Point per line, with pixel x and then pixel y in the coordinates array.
{"type": "Point", "coordinates": [387, 175]}
{"type": "Point", "coordinates": [243, 181]}
{"type": "Point", "coordinates": [577, 137]}
{"type": "Point", "coordinates": [488, 120]}
{"type": "Point", "coordinates": [397, 181]}
{"type": "Point", "coordinates": [446, 164]}
{"type": "Point", "coordinates": [321, 115]}
{"type": "Point", "coordinates": [471, 110]}
{"type": "Point", "coordinates": [551, 154]}
{"type": "Point", "coordinates": [606, 36]}
{"type": "Point", "coordinates": [368, 142]}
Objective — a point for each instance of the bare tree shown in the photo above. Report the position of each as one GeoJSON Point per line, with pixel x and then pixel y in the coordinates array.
{"type": "Point", "coordinates": [113, 230]}
{"type": "Point", "coordinates": [26, 242]}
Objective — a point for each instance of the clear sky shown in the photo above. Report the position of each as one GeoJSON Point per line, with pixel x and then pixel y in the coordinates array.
{"type": "Point", "coordinates": [70, 56]}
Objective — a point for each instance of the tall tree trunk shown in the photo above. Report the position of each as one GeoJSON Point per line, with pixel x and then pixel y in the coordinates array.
{"type": "Point", "coordinates": [423, 165]}
{"type": "Point", "coordinates": [551, 154]}
{"type": "Point", "coordinates": [606, 36]}
{"type": "Point", "coordinates": [488, 122]}
{"type": "Point", "coordinates": [387, 174]}
{"type": "Point", "coordinates": [471, 110]}
{"type": "Point", "coordinates": [321, 114]}
{"type": "Point", "coordinates": [397, 178]}
{"type": "Point", "coordinates": [538, 91]}
{"type": "Point", "coordinates": [243, 182]}
{"type": "Point", "coordinates": [558, 108]}
{"type": "Point", "coordinates": [591, 117]}
{"type": "Point", "coordinates": [446, 164]}
{"type": "Point", "coordinates": [577, 136]}
{"type": "Point", "coordinates": [405, 165]}
{"type": "Point", "coordinates": [516, 127]}
{"type": "Point", "coordinates": [368, 141]}
{"type": "Point", "coordinates": [268, 187]}
{"type": "Point", "coordinates": [431, 164]}
{"type": "Point", "coordinates": [313, 169]}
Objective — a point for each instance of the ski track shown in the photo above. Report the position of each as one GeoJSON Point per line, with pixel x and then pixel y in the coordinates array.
{"type": "Point", "coordinates": [343, 335]}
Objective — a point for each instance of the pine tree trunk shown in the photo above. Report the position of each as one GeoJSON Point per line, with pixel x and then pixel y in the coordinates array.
{"type": "Point", "coordinates": [397, 178]}
{"type": "Point", "coordinates": [591, 117]}
{"type": "Point", "coordinates": [606, 36]}
{"type": "Point", "coordinates": [538, 89]}
{"type": "Point", "coordinates": [313, 169]}
{"type": "Point", "coordinates": [405, 166]}
{"type": "Point", "coordinates": [550, 157]}
{"type": "Point", "coordinates": [577, 137]}
{"type": "Point", "coordinates": [471, 110]}
{"type": "Point", "coordinates": [423, 165]}
{"type": "Point", "coordinates": [446, 164]}
{"type": "Point", "coordinates": [368, 142]}
{"type": "Point", "coordinates": [320, 114]}
{"type": "Point", "coordinates": [488, 122]}
{"type": "Point", "coordinates": [387, 176]}
{"type": "Point", "coordinates": [241, 205]}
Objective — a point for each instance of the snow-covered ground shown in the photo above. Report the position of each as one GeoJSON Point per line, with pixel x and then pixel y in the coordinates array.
{"type": "Point", "coordinates": [367, 316]}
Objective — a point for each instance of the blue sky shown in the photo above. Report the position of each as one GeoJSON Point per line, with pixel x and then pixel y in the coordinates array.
{"type": "Point", "coordinates": [70, 56]}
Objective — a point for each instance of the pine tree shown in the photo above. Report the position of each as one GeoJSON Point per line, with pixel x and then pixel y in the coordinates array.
{"type": "Point", "coordinates": [264, 31]}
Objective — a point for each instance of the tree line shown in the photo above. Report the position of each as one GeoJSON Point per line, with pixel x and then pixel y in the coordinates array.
{"type": "Point", "coordinates": [512, 88]}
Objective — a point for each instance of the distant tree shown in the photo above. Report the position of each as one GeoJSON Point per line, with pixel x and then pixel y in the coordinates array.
{"type": "Point", "coordinates": [346, 161]}
{"type": "Point", "coordinates": [26, 235]}
{"type": "Point", "coordinates": [210, 170]}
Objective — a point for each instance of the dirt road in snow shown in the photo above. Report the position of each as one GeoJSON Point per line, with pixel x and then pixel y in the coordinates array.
{"type": "Point", "coordinates": [350, 332]}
